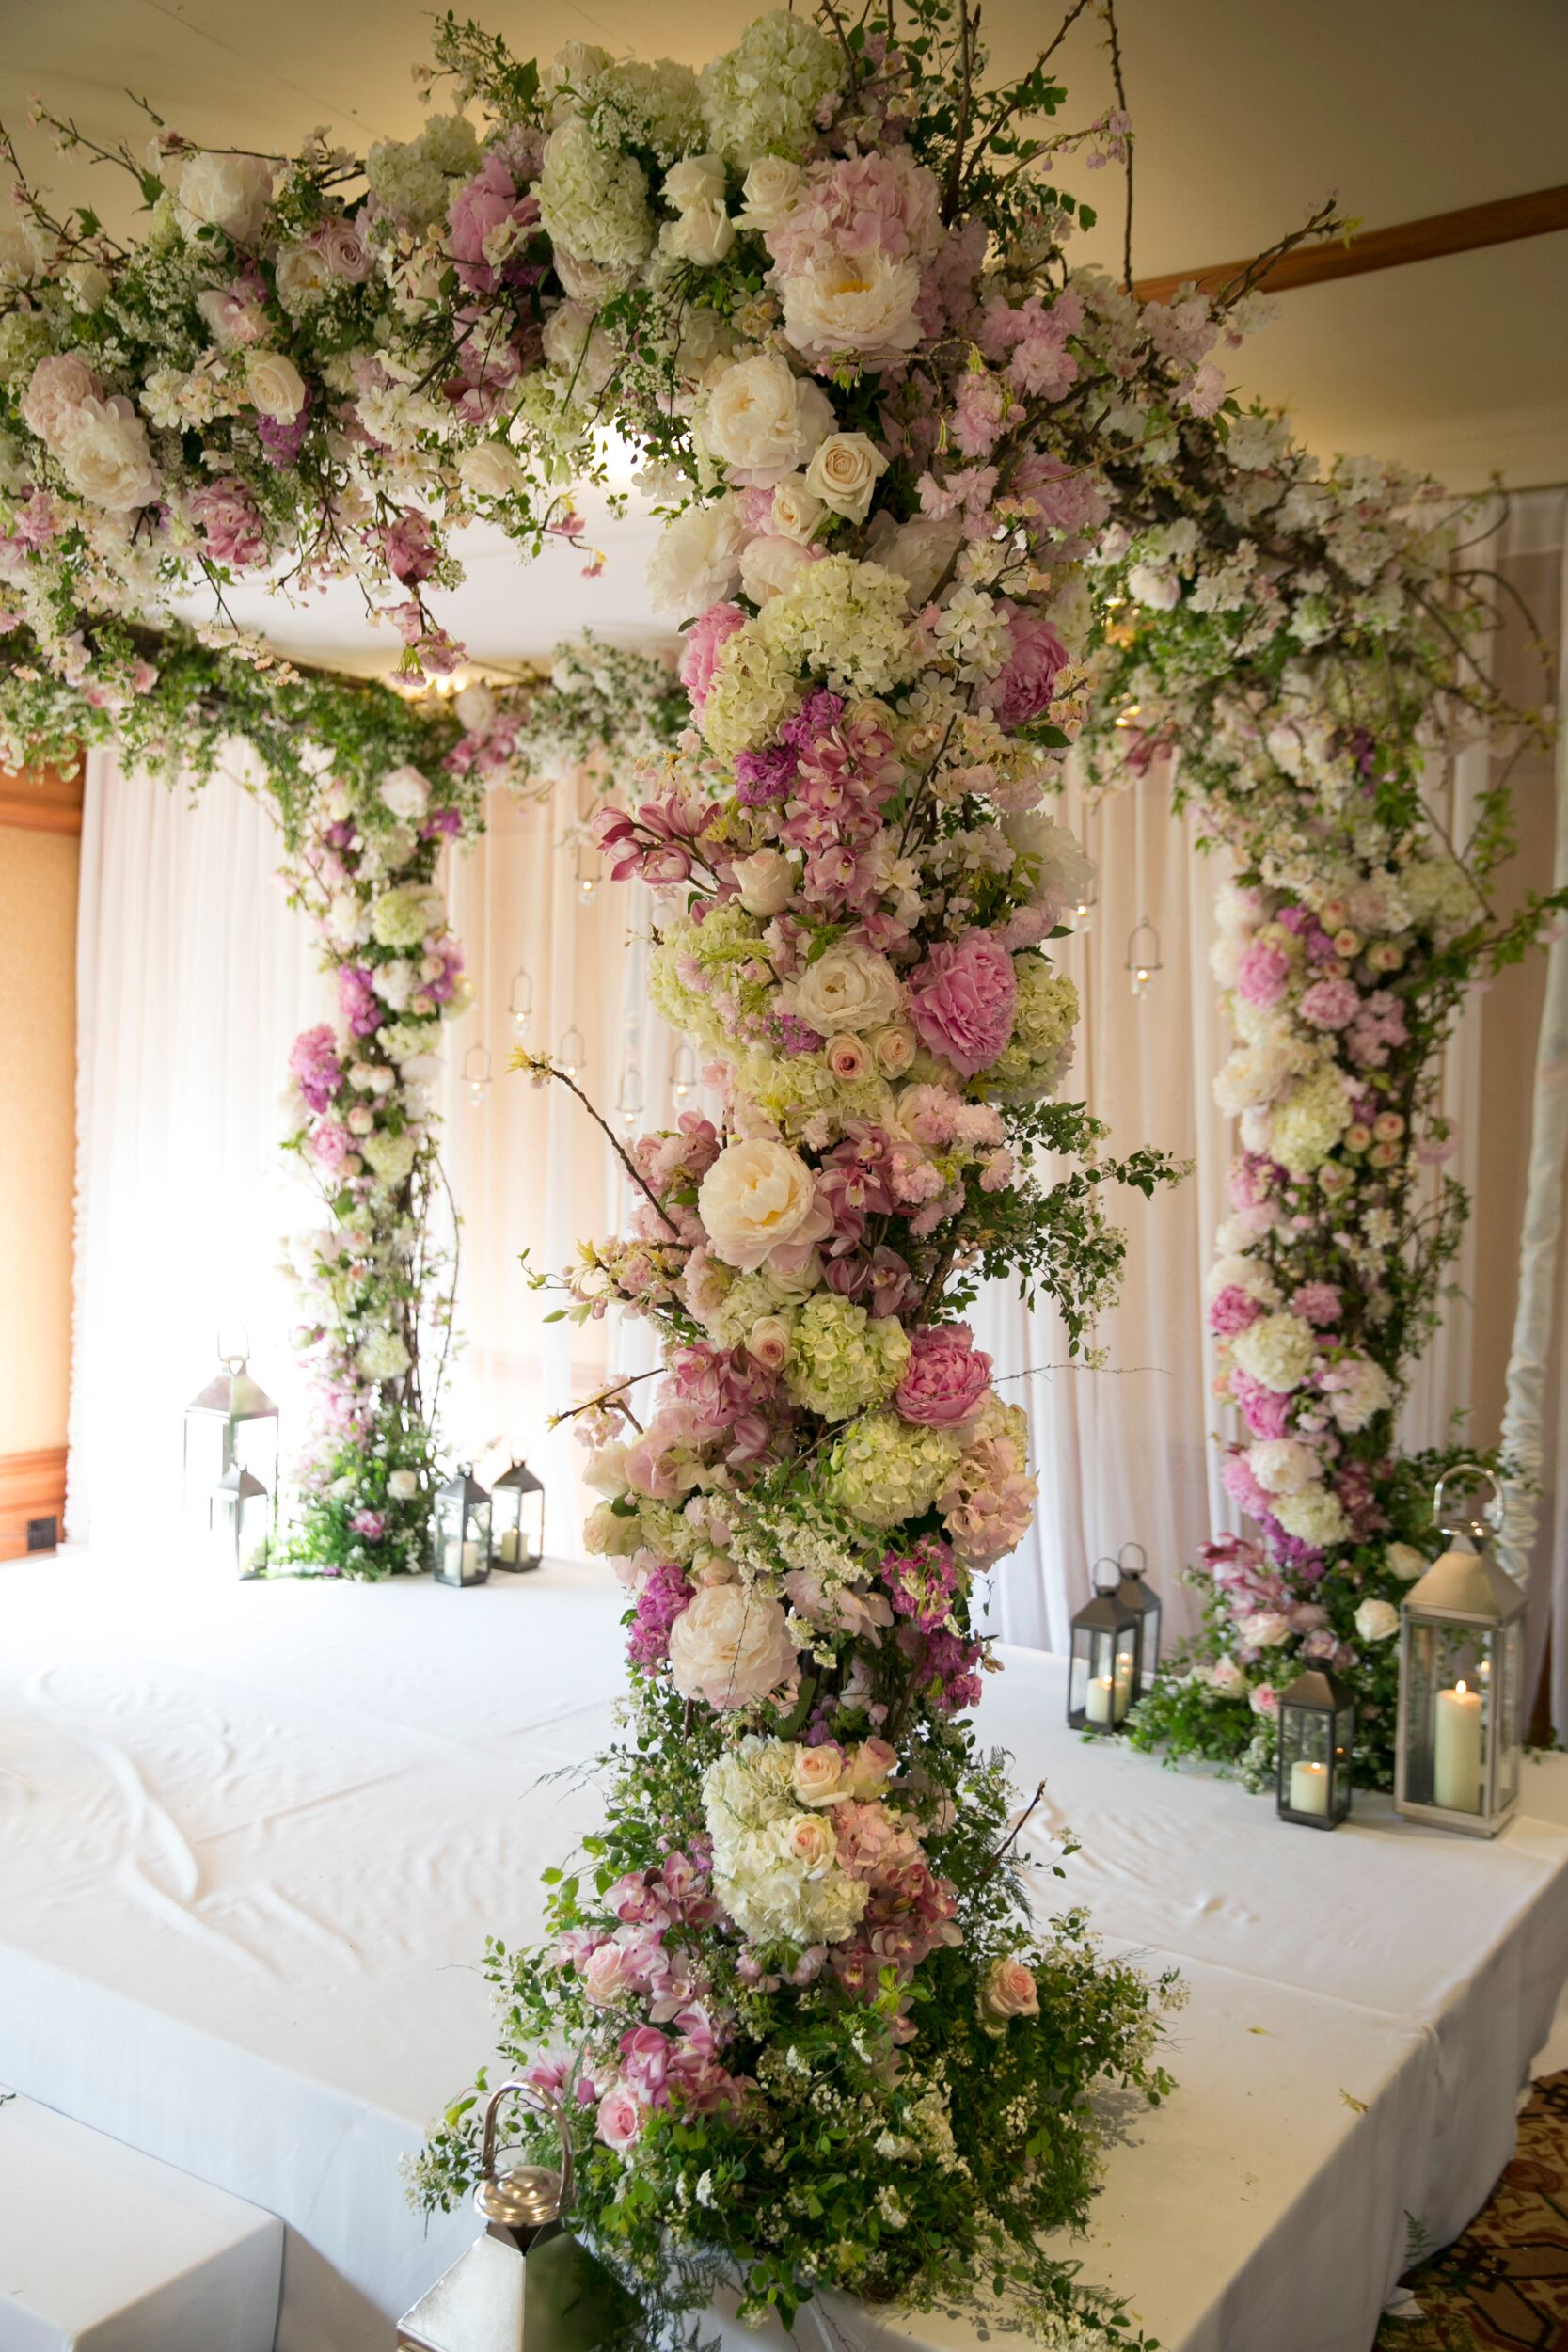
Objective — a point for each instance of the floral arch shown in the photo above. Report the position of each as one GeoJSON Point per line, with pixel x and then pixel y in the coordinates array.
{"type": "Point", "coordinates": [940, 508]}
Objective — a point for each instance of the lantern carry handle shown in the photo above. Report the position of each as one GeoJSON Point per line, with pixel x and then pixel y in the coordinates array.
{"type": "Point", "coordinates": [1472, 1470]}
{"type": "Point", "coordinates": [233, 1359]}
{"type": "Point", "coordinates": [1142, 1569]}
{"type": "Point", "coordinates": [1105, 1561]}
{"type": "Point", "coordinates": [547, 2106]}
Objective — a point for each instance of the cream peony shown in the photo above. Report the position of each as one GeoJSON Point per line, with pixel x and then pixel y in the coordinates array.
{"type": "Point", "coordinates": [275, 385]}
{"type": "Point", "coordinates": [763, 421]}
{"type": "Point", "coordinates": [227, 192]}
{"type": "Point", "coordinates": [493, 470]}
{"type": "Point", "coordinates": [755, 1197]}
{"type": "Point", "coordinates": [1282, 1466]}
{"type": "Point", "coordinates": [768, 565]}
{"type": "Point", "coordinates": [104, 454]}
{"type": "Point", "coordinates": [920, 552]}
{"type": "Point", "coordinates": [849, 987]}
{"type": "Point", "coordinates": [475, 706]}
{"type": "Point", "coordinates": [404, 793]}
{"type": "Point", "coordinates": [861, 305]}
{"type": "Point", "coordinates": [845, 473]}
{"type": "Point", "coordinates": [730, 1647]}
{"type": "Point", "coordinates": [697, 561]}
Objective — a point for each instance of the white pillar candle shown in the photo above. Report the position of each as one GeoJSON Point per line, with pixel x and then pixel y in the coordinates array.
{"type": "Point", "coordinates": [1457, 1751]}
{"type": "Point", "coordinates": [471, 1561]}
{"type": "Point", "coordinates": [453, 1559]}
{"type": "Point", "coordinates": [509, 1544]}
{"type": "Point", "coordinates": [1124, 1682]}
{"type": "Point", "coordinates": [1101, 1697]}
{"type": "Point", "coordinates": [1308, 1788]}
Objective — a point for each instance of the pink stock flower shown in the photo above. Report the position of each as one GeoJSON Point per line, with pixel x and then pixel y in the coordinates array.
{"type": "Point", "coordinates": [961, 1001]}
{"type": "Point", "coordinates": [314, 1060]}
{"type": "Point", "coordinates": [409, 547]}
{"type": "Point", "coordinates": [947, 1379]}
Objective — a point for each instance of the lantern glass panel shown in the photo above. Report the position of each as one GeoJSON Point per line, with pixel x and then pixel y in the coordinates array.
{"type": "Point", "coordinates": [1508, 1649]}
{"type": "Point", "coordinates": [517, 1520]}
{"type": "Point", "coordinates": [1452, 1674]}
{"type": "Point", "coordinates": [1144, 1602]}
{"type": "Point", "coordinates": [240, 1520]}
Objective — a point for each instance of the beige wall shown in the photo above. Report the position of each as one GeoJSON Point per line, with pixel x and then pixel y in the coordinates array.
{"type": "Point", "coordinates": [38, 1018]}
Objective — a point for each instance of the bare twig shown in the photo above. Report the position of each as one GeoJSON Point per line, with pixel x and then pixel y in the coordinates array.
{"type": "Point", "coordinates": [1120, 87]}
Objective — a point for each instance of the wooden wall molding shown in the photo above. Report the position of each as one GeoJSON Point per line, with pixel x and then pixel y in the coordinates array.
{"type": "Point", "coordinates": [1510, 217]}
{"type": "Point", "coordinates": [32, 1486]}
{"type": "Point", "coordinates": [40, 800]}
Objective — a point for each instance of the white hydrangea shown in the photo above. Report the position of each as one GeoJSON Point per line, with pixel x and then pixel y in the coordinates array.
{"type": "Point", "coordinates": [1277, 1351]}
{"type": "Point", "coordinates": [775, 1866]}
{"type": "Point", "coordinates": [1314, 1517]}
{"type": "Point", "coordinates": [410, 178]}
{"type": "Point", "coordinates": [1036, 1057]}
{"type": "Point", "coordinates": [1361, 1391]}
{"type": "Point", "coordinates": [752, 692]}
{"type": "Point", "coordinates": [846, 622]}
{"type": "Point", "coordinates": [1282, 1466]}
{"type": "Point", "coordinates": [594, 201]}
{"type": "Point", "coordinates": [1306, 1127]}
{"type": "Point", "coordinates": [1441, 896]}
{"type": "Point", "coordinates": [765, 96]}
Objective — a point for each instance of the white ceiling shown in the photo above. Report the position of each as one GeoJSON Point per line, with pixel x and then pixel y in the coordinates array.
{"type": "Point", "coordinates": [1248, 113]}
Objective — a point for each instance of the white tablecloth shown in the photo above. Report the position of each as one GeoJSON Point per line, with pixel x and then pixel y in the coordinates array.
{"type": "Point", "coordinates": [252, 1839]}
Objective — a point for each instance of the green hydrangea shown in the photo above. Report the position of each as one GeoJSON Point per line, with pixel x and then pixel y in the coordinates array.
{"type": "Point", "coordinates": [1035, 1060]}
{"type": "Point", "coordinates": [843, 621]}
{"type": "Point", "coordinates": [842, 1358]}
{"type": "Point", "coordinates": [389, 1157]}
{"type": "Point", "coordinates": [721, 948]}
{"type": "Point", "coordinates": [885, 1470]}
{"type": "Point", "coordinates": [401, 917]}
{"type": "Point", "coordinates": [762, 97]}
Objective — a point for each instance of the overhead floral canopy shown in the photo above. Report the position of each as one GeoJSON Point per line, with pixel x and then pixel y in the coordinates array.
{"type": "Point", "coordinates": [939, 507]}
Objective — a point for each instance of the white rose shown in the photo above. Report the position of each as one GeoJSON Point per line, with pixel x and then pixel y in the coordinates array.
{"type": "Point", "coordinates": [763, 421]}
{"type": "Point", "coordinates": [404, 793]}
{"type": "Point", "coordinates": [402, 1484]}
{"type": "Point", "coordinates": [695, 181]}
{"type": "Point", "coordinates": [1008, 1989]}
{"type": "Point", "coordinates": [766, 882]}
{"type": "Point", "coordinates": [770, 189]}
{"type": "Point", "coordinates": [817, 1775]}
{"type": "Point", "coordinates": [730, 1646]}
{"type": "Point", "coordinates": [755, 1197]}
{"type": "Point", "coordinates": [275, 386]}
{"type": "Point", "coordinates": [704, 233]}
{"type": "Point", "coordinates": [858, 304]}
{"type": "Point", "coordinates": [697, 561]}
{"type": "Point", "coordinates": [796, 511]}
{"type": "Point", "coordinates": [103, 451]}
{"type": "Point", "coordinates": [227, 192]}
{"type": "Point", "coordinates": [919, 551]}
{"type": "Point", "coordinates": [811, 1842]}
{"type": "Point", "coordinates": [475, 707]}
{"type": "Point", "coordinates": [1224, 1676]}
{"type": "Point", "coordinates": [1377, 1620]}
{"type": "Point", "coordinates": [768, 565]}
{"type": "Point", "coordinates": [493, 470]}
{"type": "Point", "coordinates": [892, 1048]}
{"type": "Point", "coordinates": [611, 1535]}
{"type": "Point", "coordinates": [845, 473]}
{"type": "Point", "coordinates": [849, 987]}
{"type": "Point", "coordinates": [1405, 1562]}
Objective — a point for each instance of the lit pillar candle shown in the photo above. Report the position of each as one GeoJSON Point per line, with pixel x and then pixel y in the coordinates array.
{"type": "Point", "coordinates": [1308, 1788]}
{"type": "Point", "coordinates": [509, 1546]}
{"type": "Point", "coordinates": [1457, 1751]}
{"type": "Point", "coordinates": [470, 1562]}
{"type": "Point", "coordinates": [1124, 1682]}
{"type": "Point", "coordinates": [1101, 1700]}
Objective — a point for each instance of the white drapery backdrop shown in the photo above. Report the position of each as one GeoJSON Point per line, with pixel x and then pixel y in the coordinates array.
{"type": "Point", "coordinates": [194, 977]}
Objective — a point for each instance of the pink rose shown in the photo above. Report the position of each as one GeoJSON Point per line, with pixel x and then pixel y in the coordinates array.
{"type": "Point", "coordinates": [55, 389]}
{"type": "Point", "coordinates": [1022, 689]}
{"type": "Point", "coordinates": [1263, 1699]}
{"type": "Point", "coordinates": [342, 249]}
{"type": "Point", "coordinates": [961, 999]}
{"type": "Point", "coordinates": [1008, 1989]}
{"type": "Point", "coordinates": [620, 2118]}
{"type": "Point", "coordinates": [704, 641]}
{"type": "Point", "coordinates": [946, 1378]}
{"type": "Point", "coordinates": [606, 1975]}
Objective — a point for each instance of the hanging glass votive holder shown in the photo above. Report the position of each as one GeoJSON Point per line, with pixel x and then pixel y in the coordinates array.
{"type": "Point", "coordinates": [520, 1003]}
{"type": "Point", "coordinates": [628, 1099]}
{"type": "Point", "coordinates": [476, 1073]}
{"type": "Point", "coordinates": [588, 873]}
{"type": "Point", "coordinates": [571, 1055]}
{"type": "Point", "coordinates": [683, 1074]}
{"type": "Point", "coordinates": [1143, 957]}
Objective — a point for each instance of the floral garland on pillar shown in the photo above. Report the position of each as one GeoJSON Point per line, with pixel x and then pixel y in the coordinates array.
{"type": "Point", "coordinates": [1309, 644]}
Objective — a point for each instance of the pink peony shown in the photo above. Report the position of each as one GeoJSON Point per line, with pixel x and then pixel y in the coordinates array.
{"type": "Point", "coordinates": [1021, 690]}
{"type": "Point", "coordinates": [1330, 1004]}
{"type": "Point", "coordinates": [1261, 975]}
{"type": "Point", "coordinates": [230, 523]}
{"type": "Point", "coordinates": [55, 389]}
{"type": "Point", "coordinates": [489, 218]}
{"type": "Point", "coordinates": [1231, 1310]}
{"type": "Point", "coordinates": [961, 1001]}
{"type": "Point", "coordinates": [705, 640]}
{"type": "Point", "coordinates": [948, 1377]}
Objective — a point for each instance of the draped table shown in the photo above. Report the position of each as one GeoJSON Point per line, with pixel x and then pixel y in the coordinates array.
{"type": "Point", "coordinates": [252, 1839]}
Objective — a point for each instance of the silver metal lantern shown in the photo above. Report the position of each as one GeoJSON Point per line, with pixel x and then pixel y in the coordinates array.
{"type": "Point", "coordinates": [527, 2280]}
{"type": "Point", "coordinates": [1103, 1664]}
{"type": "Point", "coordinates": [232, 1424]}
{"type": "Point", "coordinates": [241, 1522]}
{"type": "Point", "coordinates": [1462, 1672]}
{"type": "Point", "coordinates": [1134, 1594]}
{"type": "Point", "coordinates": [1315, 1742]}
{"type": "Point", "coordinates": [517, 1518]}
{"type": "Point", "coordinates": [460, 1530]}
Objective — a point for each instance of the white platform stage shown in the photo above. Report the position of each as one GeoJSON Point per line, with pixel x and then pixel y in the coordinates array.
{"type": "Point", "coordinates": [252, 1839]}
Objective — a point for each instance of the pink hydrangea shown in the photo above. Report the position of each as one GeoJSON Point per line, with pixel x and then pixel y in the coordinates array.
{"type": "Point", "coordinates": [946, 1378]}
{"type": "Point", "coordinates": [1261, 975]}
{"type": "Point", "coordinates": [704, 641]}
{"type": "Point", "coordinates": [1021, 689]}
{"type": "Point", "coordinates": [314, 1060]}
{"type": "Point", "coordinates": [961, 1001]}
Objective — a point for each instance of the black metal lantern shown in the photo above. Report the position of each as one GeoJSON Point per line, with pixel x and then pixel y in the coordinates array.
{"type": "Point", "coordinates": [1316, 1742]}
{"type": "Point", "coordinates": [1462, 1673]}
{"type": "Point", "coordinates": [1134, 1594]}
{"type": "Point", "coordinates": [232, 1424]}
{"type": "Point", "coordinates": [527, 2281]}
{"type": "Point", "coordinates": [460, 1530]}
{"type": "Point", "coordinates": [517, 1520]}
{"type": "Point", "coordinates": [240, 1520]}
{"type": "Point", "coordinates": [1102, 1666]}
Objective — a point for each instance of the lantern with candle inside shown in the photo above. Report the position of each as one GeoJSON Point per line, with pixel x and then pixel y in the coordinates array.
{"type": "Point", "coordinates": [1135, 1595]}
{"type": "Point", "coordinates": [1462, 1661]}
{"type": "Point", "coordinates": [516, 1519]}
{"type": "Point", "coordinates": [241, 1522]}
{"type": "Point", "coordinates": [1143, 957]}
{"type": "Point", "coordinates": [460, 1530]}
{"type": "Point", "coordinates": [1103, 1664]}
{"type": "Point", "coordinates": [1316, 1739]}
{"type": "Point", "coordinates": [232, 1424]}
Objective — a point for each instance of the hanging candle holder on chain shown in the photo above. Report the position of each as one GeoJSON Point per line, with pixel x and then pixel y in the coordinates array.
{"type": "Point", "coordinates": [476, 1073]}
{"type": "Point", "coordinates": [520, 1003]}
{"type": "Point", "coordinates": [588, 873]}
{"type": "Point", "coordinates": [571, 1055]}
{"type": "Point", "coordinates": [683, 1075]}
{"type": "Point", "coordinates": [1081, 910]}
{"type": "Point", "coordinates": [1143, 957]}
{"type": "Point", "coordinates": [629, 1098]}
